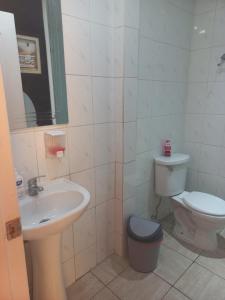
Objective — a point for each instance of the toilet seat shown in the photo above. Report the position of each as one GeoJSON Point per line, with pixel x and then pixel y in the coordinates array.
{"type": "Point", "coordinates": [204, 203]}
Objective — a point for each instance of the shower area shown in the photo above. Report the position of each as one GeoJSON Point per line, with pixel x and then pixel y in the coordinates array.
{"type": "Point", "coordinates": [172, 80]}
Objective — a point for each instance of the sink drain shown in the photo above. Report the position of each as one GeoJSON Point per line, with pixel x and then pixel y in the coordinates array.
{"type": "Point", "coordinates": [44, 220]}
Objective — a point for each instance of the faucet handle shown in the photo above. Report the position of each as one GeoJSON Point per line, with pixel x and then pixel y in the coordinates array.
{"type": "Point", "coordinates": [33, 180]}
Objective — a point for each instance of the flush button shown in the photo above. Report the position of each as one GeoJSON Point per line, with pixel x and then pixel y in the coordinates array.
{"type": "Point", "coordinates": [13, 229]}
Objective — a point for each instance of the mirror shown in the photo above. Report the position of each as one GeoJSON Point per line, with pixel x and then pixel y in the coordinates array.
{"type": "Point", "coordinates": [41, 60]}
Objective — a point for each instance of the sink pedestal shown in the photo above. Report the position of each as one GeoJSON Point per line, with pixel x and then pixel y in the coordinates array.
{"type": "Point", "coordinates": [47, 272]}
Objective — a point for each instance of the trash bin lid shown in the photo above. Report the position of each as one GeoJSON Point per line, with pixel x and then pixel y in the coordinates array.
{"type": "Point", "coordinates": [144, 230]}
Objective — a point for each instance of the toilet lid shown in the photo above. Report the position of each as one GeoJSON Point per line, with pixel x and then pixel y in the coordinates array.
{"type": "Point", "coordinates": [205, 203]}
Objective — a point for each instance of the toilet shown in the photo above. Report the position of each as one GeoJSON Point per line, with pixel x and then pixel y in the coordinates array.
{"type": "Point", "coordinates": [199, 216]}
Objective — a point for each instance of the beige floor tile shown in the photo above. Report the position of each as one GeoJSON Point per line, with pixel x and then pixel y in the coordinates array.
{"type": "Point", "coordinates": [186, 250]}
{"type": "Point", "coordinates": [105, 294]}
{"type": "Point", "coordinates": [174, 294]}
{"type": "Point", "coordinates": [120, 260]}
{"type": "Point", "coordinates": [131, 285]}
{"type": "Point", "coordinates": [200, 284]}
{"type": "Point", "coordinates": [109, 268]}
{"type": "Point", "coordinates": [215, 263]}
{"type": "Point", "coordinates": [171, 264]}
{"type": "Point", "coordinates": [85, 288]}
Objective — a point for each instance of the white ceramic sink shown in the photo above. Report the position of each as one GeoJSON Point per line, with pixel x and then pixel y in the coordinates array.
{"type": "Point", "coordinates": [61, 203]}
{"type": "Point", "coordinates": [43, 219]}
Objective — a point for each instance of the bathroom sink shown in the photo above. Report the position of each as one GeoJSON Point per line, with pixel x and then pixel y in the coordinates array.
{"type": "Point", "coordinates": [60, 204]}
{"type": "Point", "coordinates": [43, 219]}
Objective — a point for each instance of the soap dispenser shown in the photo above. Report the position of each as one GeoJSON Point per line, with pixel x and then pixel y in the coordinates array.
{"type": "Point", "coordinates": [19, 184]}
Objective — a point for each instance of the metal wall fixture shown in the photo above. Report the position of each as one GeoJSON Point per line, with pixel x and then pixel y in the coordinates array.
{"type": "Point", "coordinates": [222, 60]}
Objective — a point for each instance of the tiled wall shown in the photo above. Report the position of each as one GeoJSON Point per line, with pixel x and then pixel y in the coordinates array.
{"type": "Point", "coordinates": [93, 66]}
{"type": "Point", "coordinates": [205, 109]}
{"type": "Point", "coordinates": [157, 44]}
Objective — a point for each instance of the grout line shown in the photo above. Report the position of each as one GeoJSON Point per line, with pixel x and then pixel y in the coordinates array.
{"type": "Point", "coordinates": [192, 260]}
{"type": "Point", "coordinates": [213, 272]}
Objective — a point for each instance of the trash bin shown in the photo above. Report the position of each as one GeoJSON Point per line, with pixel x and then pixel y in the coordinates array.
{"type": "Point", "coordinates": [144, 239]}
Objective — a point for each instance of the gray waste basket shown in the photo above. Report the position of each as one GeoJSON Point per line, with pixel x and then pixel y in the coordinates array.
{"type": "Point", "coordinates": [144, 238]}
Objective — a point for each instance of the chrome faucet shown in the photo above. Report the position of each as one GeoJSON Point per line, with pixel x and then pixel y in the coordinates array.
{"type": "Point", "coordinates": [33, 188]}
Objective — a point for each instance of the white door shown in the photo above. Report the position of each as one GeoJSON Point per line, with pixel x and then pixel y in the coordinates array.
{"type": "Point", "coordinates": [9, 60]}
{"type": "Point", "coordinates": [13, 276]}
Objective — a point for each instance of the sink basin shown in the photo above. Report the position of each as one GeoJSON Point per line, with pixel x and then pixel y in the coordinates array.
{"type": "Point", "coordinates": [43, 219]}
{"type": "Point", "coordinates": [61, 203]}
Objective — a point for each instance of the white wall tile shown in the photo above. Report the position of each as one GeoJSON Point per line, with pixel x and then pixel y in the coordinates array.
{"type": "Point", "coordinates": [87, 180]}
{"type": "Point", "coordinates": [85, 261]}
{"type": "Point", "coordinates": [118, 12]}
{"type": "Point", "coordinates": [209, 159]}
{"type": "Point", "coordinates": [104, 99]}
{"type": "Point", "coordinates": [222, 163]}
{"type": "Point", "coordinates": [24, 154]}
{"type": "Point", "coordinates": [119, 142]}
{"type": "Point", "coordinates": [68, 269]}
{"type": "Point", "coordinates": [196, 98]}
{"type": "Point", "coordinates": [79, 99]}
{"type": "Point", "coordinates": [130, 52]}
{"type": "Point", "coordinates": [194, 150]}
{"type": "Point", "coordinates": [105, 183]}
{"type": "Point", "coordinates": [84, 231]}
{"type": "Point", "coordinates": [202, 30]}
{"type": "Point", "coordinates": [145, 167]}
{"type": "Point", "coordinates": [129, 180]}
{"type": "Point", "coordinates": [81, 148]}
{"type": "Point", "coordinates": [198, 70]}
{"type": "Point", "coordinates": [216, 73]}
{"type": "Point", "coordinates": [102, 51]}
{"type": "Point", "coordinates": [102, 11]}
{"type": "Point", "coordinates": [165, 22]}
{"type": "Point", "coordinates": [213, 130]}
{"type": "Point", "coordinates": [220, 3]}
{"type": "Point", "coordinates": [219, 23]}
{"type": "Point", "coordinates": [104, 144]}
{"type": "Point", "coordinates": [192, 181]}
{"type": "Point", "coordinates": [76, 35]}
{"type": "Point", "coordinates": [119, 181]}
{"type": "Point", "coordinates": [130, 99]}
{"type": "Point", "coordinates": [118, 215]}
{"type": "Point", "coordinates": [144, 103]}
{"type": "Point", "coordinates": [193, 128]}
{"type": "Point", "coordinates": [76, 8]}
{"type": "Point", "coordinates": [162, 62]}
{"type": "Point", "coordinates": [215, 100]}
{"type": "Point", "coordinates": [207, 183]}
{"type": "Point", "coordinates": [118, 51]}
{"type": "Point", "coordinates": [129, 208]}
{"type": "Point", "coordinates": [202, 6]}
{"type": "Point", "coordinates": [144, 199]}
{"type": "Point", "coordinates": [130, 130]}
{"type": "Point", "coordinates": [67, 244]}
{"type": "Point", "coordinates": [143, 135]}
{"type": "Point", "coordinates": [187, 5]}
{"type": "Point", "coordinates": [105, 235]}
{"type": "Point", "coordinates": [132, 13]}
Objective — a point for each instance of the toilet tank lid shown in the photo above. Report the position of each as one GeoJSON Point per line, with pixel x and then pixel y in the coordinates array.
{"type": "Point", "coordinates": [174, 159]}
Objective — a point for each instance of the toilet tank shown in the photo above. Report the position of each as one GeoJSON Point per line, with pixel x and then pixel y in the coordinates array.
{"type": "Point", "coordinates": [170, 174]}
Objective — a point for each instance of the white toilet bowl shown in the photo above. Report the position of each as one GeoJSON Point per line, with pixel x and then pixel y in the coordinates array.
{"type": "Point", "coordinates": [199, 217]}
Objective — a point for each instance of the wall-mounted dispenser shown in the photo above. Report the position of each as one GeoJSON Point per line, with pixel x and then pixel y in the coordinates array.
{"type": "Point", "coordinates": [55, 141]}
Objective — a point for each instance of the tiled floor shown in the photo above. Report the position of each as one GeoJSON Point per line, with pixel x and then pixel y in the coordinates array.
{"type": "Point", "coordinates": [183, 273]}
